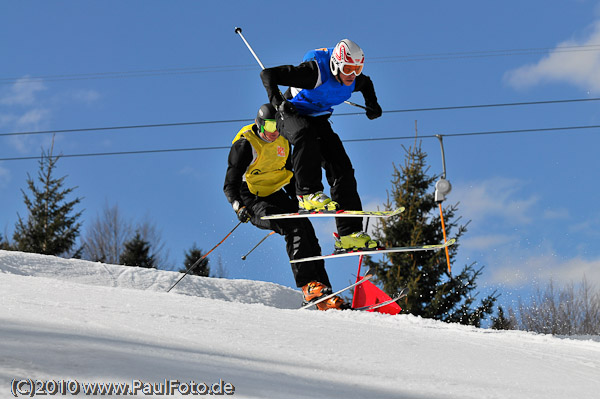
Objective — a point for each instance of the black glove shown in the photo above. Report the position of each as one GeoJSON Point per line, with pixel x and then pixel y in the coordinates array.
{"type": "Point", "coordinates": [286, 107]}
{"type": "Point", "coordinates": [374, 111]}
{"type": "Point", "coordinates": [242, 212]}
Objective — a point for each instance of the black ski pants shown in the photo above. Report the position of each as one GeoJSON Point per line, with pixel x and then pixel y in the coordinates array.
{"type": "Point", "coordinates": [314, 146]}
{"type": "Point", "coordinates": [299, 234]}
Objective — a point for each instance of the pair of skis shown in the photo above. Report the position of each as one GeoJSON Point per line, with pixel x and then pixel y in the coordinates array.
{"type": "Point", "coordinates": [372, 251]}
{"type": "Point", "coordinates": [368, 308]}
{"type": "Point", "coordinates": [324, 213]}
{"type": "Point", "coordinates": [351, 252]}
{"type": "Point", "coordinates": [376, 251]}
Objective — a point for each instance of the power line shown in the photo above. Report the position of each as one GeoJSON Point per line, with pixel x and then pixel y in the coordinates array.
{"type": "Point", "coordinates": [231, 68]}
{"type": "Point", "coordinates": [175, 124]}
{"type": "Point", "coordinates": [488, 53]}
{"type": "Point", "coordinates": [535, 130]}
{"type": "Point", "coordinates": [100, 154]}
{"type": "Point", "coordinates": [127, 74]}
{"type": "Point", "coordinates": [464, 134]}
{"type": "Point", "coordinates": [93, 129]}
{"type": "Point", "coordinates": [493, 105]}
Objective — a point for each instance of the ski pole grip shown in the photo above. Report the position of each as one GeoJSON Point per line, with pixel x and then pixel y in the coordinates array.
{"type": "Point", "coordinates": [238, 30]}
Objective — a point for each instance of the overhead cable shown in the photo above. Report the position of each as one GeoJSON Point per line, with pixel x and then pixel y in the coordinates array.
{"type": "Point", "coordinates": [175, 124]}
{"type": "Point", "coordinates": [464, 134]}
{"type": "Point", "coordinates": [230, 68]}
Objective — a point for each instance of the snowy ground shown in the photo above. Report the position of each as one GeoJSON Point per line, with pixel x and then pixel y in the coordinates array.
{"type": "Point", "coordinates": [70, 320]}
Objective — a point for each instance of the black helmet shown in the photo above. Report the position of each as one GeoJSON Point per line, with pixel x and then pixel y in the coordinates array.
{"type": "Point", "coordinates": [266, 111]}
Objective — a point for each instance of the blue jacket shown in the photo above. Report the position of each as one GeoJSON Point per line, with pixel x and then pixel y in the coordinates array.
{"type": "Point", "coordinates": [328, 91]}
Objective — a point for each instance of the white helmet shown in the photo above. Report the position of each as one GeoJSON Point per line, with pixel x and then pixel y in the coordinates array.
{"type": "Point", "coordinates": [347, 58]}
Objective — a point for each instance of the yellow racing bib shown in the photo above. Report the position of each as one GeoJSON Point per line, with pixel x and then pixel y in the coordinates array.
{"type": "Point", "coordinates": [266, 173]}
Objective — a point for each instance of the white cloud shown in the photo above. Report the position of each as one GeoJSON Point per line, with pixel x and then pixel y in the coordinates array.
{"type": "Point", "coordinates": [523, 268]}
{"type": "Point", "coordinates": [588, 226]}
{"type": "Point", "coordinates": [510, 241]}
{"type": "Point", "coordinates": [27, 112]}
{"type": "Point", "coordinates": [22, 92]}
{"type": "Point", "coordinates": [32, 118]}
{"type": "Point", "coordinates": [484, 242]}
{"type": "Point", "coordinates": [580, 67]}
{"type": "Point", "coordinates": [496, 197]}
{"type": "Point", "coordinates": [575, 269]}
{"type": "Point", "coordinates": [31, 112]}
{"type": "Point", "coordinates": [557, 214]}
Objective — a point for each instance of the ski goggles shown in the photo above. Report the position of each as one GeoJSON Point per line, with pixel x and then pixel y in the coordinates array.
{"type": "Point", "coordinates": [269, 126]}
{"type": "Point", "coordinates": [349, 69]}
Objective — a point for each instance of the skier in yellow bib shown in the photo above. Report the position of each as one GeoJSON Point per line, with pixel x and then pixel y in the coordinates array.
{"type": "Point", "coordinates": [259, 182]}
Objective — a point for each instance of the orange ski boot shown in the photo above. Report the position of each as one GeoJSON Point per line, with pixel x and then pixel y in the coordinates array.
{"type": "Point", "coordinates": [334, 302]}
{"type": "Point", "coordinates": [315, 290]}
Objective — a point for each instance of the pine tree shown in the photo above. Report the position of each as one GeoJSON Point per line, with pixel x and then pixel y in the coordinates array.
{"type": "Point", "coordinates": [137, 253]}
{"type": "Point", "coordinates": [4, 244]}
{"type": "Point", "coordinates": [51, 227]}
{"type": "Point", "coordinates": [434, 293]}
{"type": "Point", "coordinates": [501, 322]}
{"type": "Point", "coordinates": [191, 256]}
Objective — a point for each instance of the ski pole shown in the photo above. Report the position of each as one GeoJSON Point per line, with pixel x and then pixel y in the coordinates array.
{"type": "Point", "coordinates": [239, 32]}
{"type": "Point", "coordinates": [357, 105]}
{"type": "Point", "coordinates": [204, 256]}
{"type": "Point", "coordinates": [260, 242]}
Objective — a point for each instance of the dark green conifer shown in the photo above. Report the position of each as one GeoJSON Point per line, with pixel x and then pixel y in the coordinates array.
{"type": "Point", "coordinates": [434, 293]}
{"type": "Point", "coordinates": [3, 243]}
{"type": "Point", "coordinates": [51, 226]}
{"type": "Point", "coordinates": [191, 256]}
{"type": "Point", "coordinates": [137, 253]}
{"type": "Point", "coordinates": [501, 322]}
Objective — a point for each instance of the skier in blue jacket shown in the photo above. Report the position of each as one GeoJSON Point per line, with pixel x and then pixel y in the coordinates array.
{"type": "Point", "coordinates": [326, 77]}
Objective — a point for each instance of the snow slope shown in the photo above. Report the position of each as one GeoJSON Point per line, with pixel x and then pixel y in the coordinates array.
{"type": "Point", "coordinates": [89, 322]}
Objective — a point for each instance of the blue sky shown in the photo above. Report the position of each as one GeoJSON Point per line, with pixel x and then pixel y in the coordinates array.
{"type": "Point", "coordinates": [531, 197]}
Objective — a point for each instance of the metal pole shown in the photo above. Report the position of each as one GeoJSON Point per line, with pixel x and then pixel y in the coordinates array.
{"type": "Point", "coordinates": [204, 256]}
{"type": "Point", "coordinates": [439, 136]}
